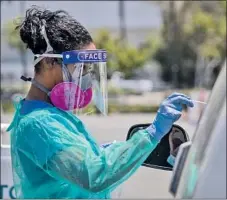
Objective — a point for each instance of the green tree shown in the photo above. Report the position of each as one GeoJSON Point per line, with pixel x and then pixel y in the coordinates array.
{"type": "Point", "coordinates": [206, 30]}
{"type": "Point", "coordinates": [124, 57]}
{"type": "Point", "coordinates": [191, 29]}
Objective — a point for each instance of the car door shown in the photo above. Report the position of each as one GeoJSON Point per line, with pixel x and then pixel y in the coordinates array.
{"type": "Point", "coordinates": [204, 172]}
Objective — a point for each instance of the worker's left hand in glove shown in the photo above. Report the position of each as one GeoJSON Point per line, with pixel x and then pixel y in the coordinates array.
{"type": "Point", "coordinates": [169, 112]}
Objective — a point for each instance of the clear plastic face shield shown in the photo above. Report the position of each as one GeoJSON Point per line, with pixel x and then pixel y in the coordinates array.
{"type": "Point", "coordinates": [84, 86]}
{"type": "Point", "coordinates": [85, 82]}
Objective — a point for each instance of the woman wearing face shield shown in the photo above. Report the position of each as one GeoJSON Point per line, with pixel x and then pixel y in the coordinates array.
{"type": "Point", "coordinates": [53, 154]}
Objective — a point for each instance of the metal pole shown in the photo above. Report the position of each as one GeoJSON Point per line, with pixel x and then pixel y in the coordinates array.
{"type": "Point", "coordinates": [123, 32]}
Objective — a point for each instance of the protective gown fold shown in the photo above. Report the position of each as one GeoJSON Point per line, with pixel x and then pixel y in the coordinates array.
{"type": "Point", "coordinates": [54, 156]}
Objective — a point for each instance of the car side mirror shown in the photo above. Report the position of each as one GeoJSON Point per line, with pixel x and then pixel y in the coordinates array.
{"type": "Point", "coordinates": [169, 145]}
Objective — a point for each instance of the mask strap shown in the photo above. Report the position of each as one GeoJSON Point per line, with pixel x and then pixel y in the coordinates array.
{"type": "Point", "coordinates": [49, 47]}
{"type": "Point", "coordinates": [38, 85]}
{"type": "Point", "coordinates": [41, 87]}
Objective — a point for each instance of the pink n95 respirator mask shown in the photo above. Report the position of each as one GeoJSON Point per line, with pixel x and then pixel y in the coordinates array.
{"type": "Point", "coordinates": [68, 95]}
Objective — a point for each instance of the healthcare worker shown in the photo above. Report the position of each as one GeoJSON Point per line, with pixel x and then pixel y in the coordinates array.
{"type": "Point", "coordinates": [53, 154]}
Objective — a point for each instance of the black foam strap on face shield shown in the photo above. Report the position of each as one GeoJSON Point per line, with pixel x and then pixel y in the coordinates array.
{"type": "Point", "coordinates": [25, 78]}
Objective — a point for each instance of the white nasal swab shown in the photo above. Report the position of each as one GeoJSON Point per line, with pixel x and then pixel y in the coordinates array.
{"type": "Point", "coordinates": [199, 102]}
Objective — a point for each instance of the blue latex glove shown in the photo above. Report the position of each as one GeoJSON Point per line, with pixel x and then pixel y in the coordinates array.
{"type": "Point", "coordinates": [168, 113]}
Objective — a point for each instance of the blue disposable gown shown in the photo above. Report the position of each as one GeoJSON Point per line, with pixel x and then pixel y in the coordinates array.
{"type": "Point", "coordinates": [54, 156]}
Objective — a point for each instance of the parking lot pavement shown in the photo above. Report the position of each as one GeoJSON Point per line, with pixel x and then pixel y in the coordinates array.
{"type": "Point", "coordinates": [146, 182]}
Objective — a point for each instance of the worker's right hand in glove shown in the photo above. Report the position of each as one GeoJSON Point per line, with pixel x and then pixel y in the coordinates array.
{"type": "Point", "coordinates": [169, 112]}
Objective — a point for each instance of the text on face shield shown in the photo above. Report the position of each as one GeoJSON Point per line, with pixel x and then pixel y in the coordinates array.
{"type": "Point", "coordinates": [84, 56]}
{"type": "Point", "coordinates": [97, 56]}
